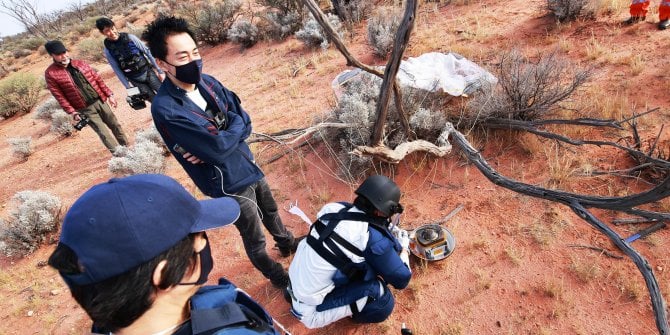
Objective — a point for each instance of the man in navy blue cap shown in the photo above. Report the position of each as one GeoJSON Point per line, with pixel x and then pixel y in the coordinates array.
{"type": "Point", "coordinates": [134, 253]}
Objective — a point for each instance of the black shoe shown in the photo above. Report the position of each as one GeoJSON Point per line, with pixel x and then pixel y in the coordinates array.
{"type": "Point", "coordinates": [281, 281]}
{"type": "Point", "coordinates": [634, 19]}
{"type": "Point", "coordinates": [663, 25]}
{"type": "Point", "coordinates": [287, 251]}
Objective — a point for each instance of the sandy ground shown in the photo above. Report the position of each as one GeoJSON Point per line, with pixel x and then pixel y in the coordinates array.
{"type": "Point", "coordinates": [514, 270]}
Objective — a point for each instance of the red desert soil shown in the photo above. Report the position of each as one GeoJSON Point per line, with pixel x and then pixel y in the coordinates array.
{"type": "Point", "coordinates": [513, 271]}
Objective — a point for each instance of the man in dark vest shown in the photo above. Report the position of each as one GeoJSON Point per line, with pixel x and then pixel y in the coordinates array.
{"type": "Point", "coordinates": [130, 59]}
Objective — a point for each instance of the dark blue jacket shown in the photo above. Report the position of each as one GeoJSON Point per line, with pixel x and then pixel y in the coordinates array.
{"type": "Point", "coordinates": [228, 161]}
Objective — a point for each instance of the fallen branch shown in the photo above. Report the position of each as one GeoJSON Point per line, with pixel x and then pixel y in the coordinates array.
{"type": "Point", "coordinates": [394, 156]}
{"type": "Point", "coordinates": [601, 250]}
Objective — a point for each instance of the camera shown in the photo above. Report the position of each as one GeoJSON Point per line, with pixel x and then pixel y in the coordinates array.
{"type": "Point", "coordinates": [135, 98]}
{"type": "Point", "coordinates": [83, 121]}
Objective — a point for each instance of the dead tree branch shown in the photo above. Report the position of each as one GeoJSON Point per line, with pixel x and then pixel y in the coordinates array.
{"type": "Point", "coordinates": [401, 41]}
{"type": "Point", "coordinates": [578, 203]}
{"type": "Point", "coordinates": [396, 55]}
{"type": "Point", "coordinates": [657, 301]}
{"type": "Point", "coordinates": [598, 249]}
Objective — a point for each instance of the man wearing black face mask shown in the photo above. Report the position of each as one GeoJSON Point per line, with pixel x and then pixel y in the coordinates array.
{"type": "Point", "coordinates": [205, 127]}
{"type": "Point", "coordinates": [137, 262]}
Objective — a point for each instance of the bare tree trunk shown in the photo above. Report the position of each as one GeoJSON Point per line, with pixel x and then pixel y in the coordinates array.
{"type": "Point", "coordinates": [401, 40]}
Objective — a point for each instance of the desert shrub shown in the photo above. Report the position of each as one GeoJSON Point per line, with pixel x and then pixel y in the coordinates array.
{"type": "Point", "coordinates": [91, 49]}
{"type": "Point", "coordinates": [83, 28]}
{"type": "Point", "coordinates": [312, 35]}
{"type": "Point", "coordinates": [45, 110]}
{"type": "Point", "coordinates": [279, 25]}
{"type": "Point", "coordinates": [211, 22]}
{"type": "Point", "coordinates": [21, 146]}
{"type": "Point", "coordinates": [382, 27]}
{"type": "Point", "coordinates": [152, 135]}
{"type": "Point", "coordinates": [284, 6]}
{"type": "Point", "coordinates": [425, 122]}
{"type": "Point", "coordinates": [146, 156]}
{"type": "Point", "coordinates": [32, 43]}
{"type": "Point", "coordinates": [244, 33]}
{"type": "Point", "coordinates": [19, 93]}
{"type": "Point", "coordinates": [35, 218]}
{"type": "Point", "coordinates": [567, 10]}
{"type": "Point", "coordinates": [353, 11]}
{"type": "Point", "coordinates": [20, 53]}
{"type": "Point", "coordinates": [61, 123]}
{"type": "Point", "coordinates": [526, 90]}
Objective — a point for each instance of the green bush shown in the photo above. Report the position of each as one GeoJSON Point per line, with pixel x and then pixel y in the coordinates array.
{"type": "Point", "coordinates": [312, 34]}
{"type": "Point", "coordinates": [211, 22]}
{"type": "Point", "coordinates": [31, 223]}
{"type": "Point", "coordinates": [244, 33]}
{"type": "Point", "coordinates": [91, 49]}
{"type": "Point", "coordinates": [32, 43]}
{"type": "Point", "coordinates": [19, 93]}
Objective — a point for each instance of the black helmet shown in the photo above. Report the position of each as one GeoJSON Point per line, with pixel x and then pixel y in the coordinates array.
{"type": "Point", "coordinates": [382, 192]}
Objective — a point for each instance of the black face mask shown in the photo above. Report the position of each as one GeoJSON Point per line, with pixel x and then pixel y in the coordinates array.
{"type": "Point", "coordinates": [190, 72]}
{"type": "Point", "coordinates": [206, 265]}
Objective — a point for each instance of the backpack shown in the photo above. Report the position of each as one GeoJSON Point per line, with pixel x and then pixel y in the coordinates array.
{"type": "Point", "coordinates": [347, 270]}
{"type": "Point", "coordinates": [226, 310]}
{"type": "Point", "coordinates": [131, 60]}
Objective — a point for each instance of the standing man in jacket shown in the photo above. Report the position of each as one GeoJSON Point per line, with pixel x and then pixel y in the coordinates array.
{"type": "Point", "coordinates": [344, 265]}
{"type": "Point", "coordinates": [205, 127]}
{"type": "Point", "coordinates": [130, 59]}
{"type": "Point", "coordinates": [80, 91]}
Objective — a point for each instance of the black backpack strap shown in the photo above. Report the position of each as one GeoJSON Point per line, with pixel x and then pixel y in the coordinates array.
{"type": "Point", "coordinates": [321, 228]}
{"type": "Point", "coordinates": [205, 321]}
{"type": "Point", "coordinates": [335, 256]}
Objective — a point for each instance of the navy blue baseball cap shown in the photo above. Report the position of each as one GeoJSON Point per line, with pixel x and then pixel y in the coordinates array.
{"type": "Point", "coordinates": [125, 222]}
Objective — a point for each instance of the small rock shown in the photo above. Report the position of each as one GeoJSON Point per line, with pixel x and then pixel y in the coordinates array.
{"type": "Point", "coordinates": [498, 323]}
{"type": "Point", "coordinates": [659, 268]}
{"type": "Point", "coordinates": [30, 313]}
{"type": "Point", "coordinates": [55, 292]}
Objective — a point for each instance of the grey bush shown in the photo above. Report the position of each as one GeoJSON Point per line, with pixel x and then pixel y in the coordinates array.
{"type": "Point", "coordinates": [567, 10]}
{"type": "Point", "coordinates": [382, 27]}
{"type": "Point", "coordinates": [35, 218]}
{"type": "Point", "coordinates": [21, 146]}
{"type": "Point", "coordinates": [45, 110]}
{"type": "Point", "coordinates": [312, 35]}
{"type": "Point", "coordinates": [61, 123]}
{"type": "Point", "coordinates": [146, 156]}
{"type": "Point", "coordinates": [279, 25]}
{"type": "Point", "coordinates": [244, 33]}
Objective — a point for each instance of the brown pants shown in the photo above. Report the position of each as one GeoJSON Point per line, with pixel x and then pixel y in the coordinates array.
{"type": "Point", "coordinates": [100, 117]}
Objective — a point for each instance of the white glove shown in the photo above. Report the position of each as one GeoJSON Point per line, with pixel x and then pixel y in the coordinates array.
{"type": "Point", "coordinates": [404, 257]}
{"type": "Point", "coordinates": [403, 238]}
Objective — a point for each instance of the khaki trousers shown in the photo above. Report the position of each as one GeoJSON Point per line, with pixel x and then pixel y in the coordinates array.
{"type": "Point", "coordinates": [102, 120]}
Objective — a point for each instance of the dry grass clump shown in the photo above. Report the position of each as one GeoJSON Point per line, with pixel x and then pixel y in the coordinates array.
{"type": "Point", "coordinates": [31, 222]}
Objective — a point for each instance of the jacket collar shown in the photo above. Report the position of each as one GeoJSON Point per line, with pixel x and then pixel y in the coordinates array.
{"type": "Point", "coordinates": [204, 86]}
